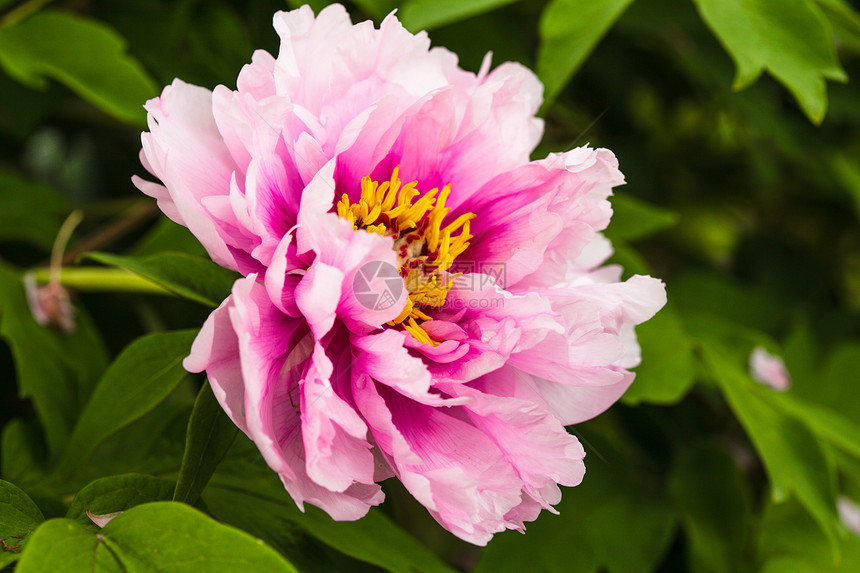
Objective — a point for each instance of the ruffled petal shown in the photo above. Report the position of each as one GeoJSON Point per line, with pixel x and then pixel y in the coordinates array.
{"type": "Point", "coordinates": [289, 414]}
{"type": "Point", "coordinates": [353, 277]}
{"type": "Point", "coordinates": [216, 350]}
{"type": "Point", "coordinates": [456, 471]}
{"type": "Point", "coordinates": [582, 371]}
{"type": "Point", "coordinates": [533, 440]}
{"type": "Point", "coordinates": [537, 218]}
{"type": "Point", "coordinates": [184, 149]}
{"type": "Point", "coordinates": [488, 324]}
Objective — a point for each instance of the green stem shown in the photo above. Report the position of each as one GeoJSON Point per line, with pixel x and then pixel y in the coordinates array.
{"type": "Point", "coordinates": [20, 12]}
{"type": "Point", "coordinates": [98, 279]}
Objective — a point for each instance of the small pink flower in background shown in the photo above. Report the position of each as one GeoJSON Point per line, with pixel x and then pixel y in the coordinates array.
{"type": "Point", "coordinates": [849, 513]}
{"type": "Point", "coordinates": [419, 299]}
{"type": "Point", "coordinates": [769, 369]}
{"type": "Point", "coordinates": [50, 304]}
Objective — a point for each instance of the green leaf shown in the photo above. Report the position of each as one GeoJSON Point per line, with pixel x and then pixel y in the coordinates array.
{"type": "Point", "coordinates": [210, 435]}
{"type": "Point", "coordinates": [629, 258]}
{"type": "Point", "coordinates": [159, 536]}
{"type": "Point", "coordinates": [377, 9]}
{"type": "Point", "coordinates": [118, 493]}
{"type": "Point", "coordinates": [616, 521]}
{"type": "Point", "coordinates": [185, 275]}
{"type": "Point", "coordinates": [714, 503]}
{"type": "Point", "coordinates": [141, 377]}
{"type": "Point", "coordinates": [845, 21]}
{"type": "Point", "coordinates": [801, 358]}
{"type": "Point", "coordinates": [829, 424]}
{"type": "Point", "coordinates": [56, 371]}
{"type": "Point", "coordinates": [794, 565]}
{"type": "Point", "coordinates": [316, 5]}
{"type": "Point", "coordinates": [241, 483]}
{"type": "Point", "coordinates": [826, 397]}
{"type": "Point", "coordinates": [86, 55]}
{"type": "Point", "coordinates": [569, 30]}
{"type": "Point", "coordinates": [847, 172]}
{"type": "Point", "coordinates": [710, 297]}
{"type": "Point", "coordinates": [151, 445]}
{"type": "Point", "coordinates": [264, 518]}
{"type": "Point", "coordinates": [633, 219]}
{"type": "Point", "coordinates": [65, 546]}
{"type": "Point", "coordinates": [168, 236]}
{"type": "Point", "coordinates": [19, 516]}
{"type": "Point", "coordinates": [668, 367]}
{"type": "Point", "coordinates": [790, 538]}
{"type": "Point", "coordinates": [792, 456]}
{"type": "Point", "coordinates": [374, 538]}
{"type": "Point", "coordinates": [426, 14]}
{"type": "Point", "coordinates": [23, 453]}
{"type": "Point", "coordinates": [790, 38]}
{"type": "Point", "coordinates": [19, 220]}
{"type": "Point", "coordinates": [840, 389]}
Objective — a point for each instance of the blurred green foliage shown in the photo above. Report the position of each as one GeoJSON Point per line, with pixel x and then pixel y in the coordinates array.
{"type": "Point", "coordinates": [740, 140]}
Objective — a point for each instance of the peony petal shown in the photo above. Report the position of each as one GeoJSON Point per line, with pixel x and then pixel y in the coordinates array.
{"type": "Point", "coordinates": [184, 149]}
{"type": "Point", "coordinates": [384, 358]}
{"type": "Point", "coordinates": [276, 351]}
{"type": "Point", "coordinates": [334, 435]}
{"type": "Point", "coordinates": [216, 350]}
{"type": "Point", "coordinates": [533, 440]}
{"type": "Point", "coordinates": [541, 215]}
{"type": "Point", "coordinates": [450, 466]}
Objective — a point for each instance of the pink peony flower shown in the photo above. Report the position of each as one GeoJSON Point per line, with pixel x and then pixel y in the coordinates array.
{"type": "Point", "coordinates": [419, 299]}
{"type": "Point", "coordinates": [769, 369]}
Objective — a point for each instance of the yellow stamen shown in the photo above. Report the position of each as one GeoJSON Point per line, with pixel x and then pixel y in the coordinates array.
{"type": "Point", "coordinates": [419, 333]}
{"type": "Point", "coordinates": [425, 249]}
{"type": "Point", "coordinates": [407, 311]}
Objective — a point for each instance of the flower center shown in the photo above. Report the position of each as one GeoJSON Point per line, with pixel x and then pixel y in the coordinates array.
{"type": "Point", "coordinates": [425, 249]}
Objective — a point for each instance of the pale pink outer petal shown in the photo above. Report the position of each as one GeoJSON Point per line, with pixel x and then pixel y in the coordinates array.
{"type": "Point", "coordinates": [216, 350]}
{"type": "Point", "coordinates": [184, 149]}
{"type": "Point", "coordinates": [451, 467]}
{"type": "Point", "coordinates": [583, 371]}
{"type": "Point", "coordinates": [597, 171]}
{"type": "Point", "coordinates": [257, 79]}
{"type": "Point", "coordinates": [533, 439]}
{"type": "Point", "coordinates": [334, 435]}
{"type": "Point", "coordinates": [280, 401]}
{"type": "Point", "coordinates": [498, 131]}
{"type": "Point", "coordinates": [335, 69]}
{"type": "Point", "coordinates": [769, 369]}
{"type": "Point", "coordinates": [536, 218]}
